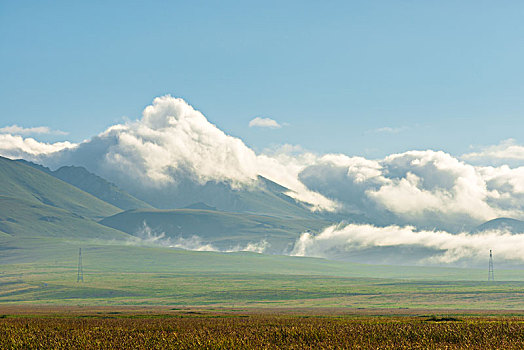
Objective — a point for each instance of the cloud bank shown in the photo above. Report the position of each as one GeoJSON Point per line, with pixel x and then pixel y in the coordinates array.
{"type": "Point", "coordinates": [15, 146]}
{"type": "Point", "coordinates": [425, 188]}
{"type": "Point", "coordinates": [173, 141]}
{"type": "Point", "coordinates": [505, 153]}
{"type": "Point", "coordinates": [146, 236]}
{"type": "Point", "coordinates": [439, 246]}
{"type": "Point", "coordinates": [18, 130]}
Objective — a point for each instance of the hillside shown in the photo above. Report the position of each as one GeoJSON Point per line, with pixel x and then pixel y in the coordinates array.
{"type": "Point", "coordinates": [222, 229]}
{"type": "Point", "coordinates": [25, 219]}
{"type": "Point", "coordinates": [26, 183]}
{"type": "Point", "coordinates": [505, 224]}
{"type": "Point", "coordinates": [264, 197]}
{"type": "Point", "coordinates": [94, 185]}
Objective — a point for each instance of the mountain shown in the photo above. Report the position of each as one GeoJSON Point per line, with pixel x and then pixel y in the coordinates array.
{"type": "Point", "coordinates": [94, 185]}
{"type": "Point", "coordinates": [223, 229]}
{"type": "Point", "coordinates": [29, 219]}
{"type": "Point", "coordinates": [504, 224]}
{"type": "Point", "coordinates": [263, 197]}
{"type": "Point", "coordinates": [24, 182]}
{"type": "Point", "coordinates": [200, 205]}
{"type": "Point", "coordinates": [34, 204]}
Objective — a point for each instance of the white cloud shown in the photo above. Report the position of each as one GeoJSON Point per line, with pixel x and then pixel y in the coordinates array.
{"type": "Point", "coordinates": [505, 152]}
{"type": "Point", "coordinates": [18, 130]}
{"type": "Point", "coordinates": [14, 146]}
{"type": "Point", "coordinates": [433, 182]}
{"type": "Point", "coordinates": [439, 246]}
{"type": "Point", "coordinates": [146, 236]}
{"type": "Point", "coordinates": [390, 130]}
{"type": "Point", "coordinates": [173, 141]}
{"type": "Point", "coordinates": [426, 188]}
{"type": "Point", "coordinates": [254, 247]}
{"type": "Point", "coordinates": [264, 123]}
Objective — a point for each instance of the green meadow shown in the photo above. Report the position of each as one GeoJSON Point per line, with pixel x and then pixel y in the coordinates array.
{"type": "Point", "coordinates": [44, 271]}
{"type": "Point", "coordinates": [44, 221]}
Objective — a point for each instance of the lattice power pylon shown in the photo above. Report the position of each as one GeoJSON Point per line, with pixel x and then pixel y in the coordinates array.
{"type": "Point", "coordinates": [80, 274]}
{"type": "Point", "coordinates": [491, 276]}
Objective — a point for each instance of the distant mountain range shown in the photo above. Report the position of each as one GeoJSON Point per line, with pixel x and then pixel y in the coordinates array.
{"type": "Point", "coordinates": [72, 202]}
{"type": "Point", "coordinates": [263, 197]}
{"type": "Point", "coordinates": [36, 204]}
{"type": "Point", "coordinates": [94, 185]}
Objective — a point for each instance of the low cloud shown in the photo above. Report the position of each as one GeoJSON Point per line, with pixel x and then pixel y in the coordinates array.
{"type": "Point", "coordinates": [254, 247]}
{"type": "Point", "coordinates": [264, 123]}
{"type": "Point", "coordinates": [15, 146]}
{"type": "Point", "coordinates": [438, 246]}
{"type": "Point", "coordinates": [146, 236]}
{"type": "Point", "coordinates": [18, 130]}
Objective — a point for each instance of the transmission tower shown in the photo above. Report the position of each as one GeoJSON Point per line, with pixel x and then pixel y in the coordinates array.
{"type": "Point", "coordinates": [491, 276]}
{"type": "Point", "coordinates": [80, 274]}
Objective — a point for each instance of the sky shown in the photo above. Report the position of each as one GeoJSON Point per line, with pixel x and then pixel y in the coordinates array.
{"type": "Point", "coordinates": [354, 77]}
{"type": "Point", "coordinates": [406, 113]}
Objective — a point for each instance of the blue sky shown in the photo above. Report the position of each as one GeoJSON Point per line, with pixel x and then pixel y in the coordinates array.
{"type": "Point", "coordinates": [359, 77]}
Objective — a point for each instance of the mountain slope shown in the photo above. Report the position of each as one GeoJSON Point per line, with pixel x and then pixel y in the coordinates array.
{"type": "Point", "coordinates": [264, 197]}
{"type": "Point", "coordinates": [94, 185]}
{"type": "Point", "coordinates": [26, 183]}
{"type": "Point", "coordinates": [98, 187]}
{"type": "Point", "coordinates": [504, 224]}
{"type": "Point", "coordinates": [224, 230]}
{"type": "Point", "coordinates": [28, 219]}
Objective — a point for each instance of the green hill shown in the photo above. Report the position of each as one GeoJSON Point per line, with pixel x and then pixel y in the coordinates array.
{"type": "Point", "coordinates": [35, 205]}
{"type": "Point", "coordinates": [223, 229]}
{"type": "Point", "coordinates": [94, 185]}
{"type": "Point", "coordinates": [99, 187]}
{"type": "Point", "coordinates": [28, 219]}
{"type": "Point", "coordinates": [24, 182]}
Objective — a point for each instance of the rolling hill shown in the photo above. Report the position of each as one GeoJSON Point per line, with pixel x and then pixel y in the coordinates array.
{"type": "Point", "coordinates": [94, 185]}
{"type": "Point", "coordinates": [28, 219]}
{"type": "Point", "coordinates": [34, 204]}
{"type": "Point", "coordinates": [263, 197]}
{"type": "Point", "coordinates": [44, 220]}
{"type": "Point", "coordinates": [26, 183]}
{"type": "Point", "coordinates": [224, 230]}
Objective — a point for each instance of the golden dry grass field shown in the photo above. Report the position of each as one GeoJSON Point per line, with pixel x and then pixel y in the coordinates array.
{"type": "Point", "coordinates": [196, 328]}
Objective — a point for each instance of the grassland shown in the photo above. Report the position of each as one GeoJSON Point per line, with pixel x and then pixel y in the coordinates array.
{"type": "Point", "coordinates": [44, 272]}
{"type": "Point", "coordinates": [113, 328]}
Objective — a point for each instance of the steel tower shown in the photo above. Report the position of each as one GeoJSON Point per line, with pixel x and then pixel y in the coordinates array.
{"type": "Point", "coordinates": [80, 273]}
{"type": "Point", "coordinates": [491, 276]}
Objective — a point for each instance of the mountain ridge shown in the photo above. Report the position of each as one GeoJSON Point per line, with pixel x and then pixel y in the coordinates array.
{"type": "Point", "coordinates": [505, 224]}
{"type": "Point", "coordinates": [28, 183]}
{"type": "Point", "coordinates": [93, 184]}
